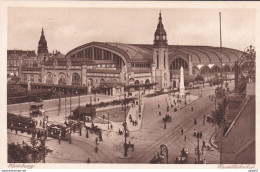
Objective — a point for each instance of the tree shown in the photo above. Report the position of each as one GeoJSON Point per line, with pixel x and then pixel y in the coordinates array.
{"type": "Point", "coordinates": [218, 115]}
{"type": "Point", "coordinates": [26, 153]}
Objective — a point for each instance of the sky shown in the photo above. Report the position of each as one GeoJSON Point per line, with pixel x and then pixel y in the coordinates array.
{"type": "Point", "coordinates": [67, 28]}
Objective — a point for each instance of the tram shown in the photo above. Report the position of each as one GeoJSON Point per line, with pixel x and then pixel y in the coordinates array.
{"type": "Point", "coordinates": [21, 123]}
{"type": "Point", "coordinates": [55, 129]}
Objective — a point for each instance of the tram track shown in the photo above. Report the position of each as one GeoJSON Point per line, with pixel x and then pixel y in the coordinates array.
{"type": "Point", "coordinates": [149, 151]}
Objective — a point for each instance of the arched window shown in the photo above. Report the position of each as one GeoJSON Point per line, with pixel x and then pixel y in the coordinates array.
{"type": "Point", "coordinates": [147, 81]}
{"type": "Point", "coordinates": [137, 82]}
{"type": "Point", "coordinates": [49, 78]}
{"type": "Point", "coordinates": [75, 79]}
{"type": "Point", "coordinates": [205, 70]}
{"type": "Point", "coordinates": [226, 68]}
{"type": "Point", "coordinates": [215, 69]}
{"type": "Point", "coordinates": [62, 79]}
{"type": "Point", "coordinates": [177, 63]}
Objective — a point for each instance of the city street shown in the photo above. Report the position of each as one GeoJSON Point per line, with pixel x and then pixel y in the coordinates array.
{"type": "Point", "coordinates": [146, 139]}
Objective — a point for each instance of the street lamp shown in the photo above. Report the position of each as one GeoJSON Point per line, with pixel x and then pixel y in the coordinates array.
{"type": "Point", "coordinates": [108, 121]}
{"type": "Point", "coordinates": [139, 101]}
{"type": "Point", "coordinates": [125, 153]}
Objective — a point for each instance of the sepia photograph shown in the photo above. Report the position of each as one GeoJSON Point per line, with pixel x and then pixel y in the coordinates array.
{"type": "Point", "coordinates": [131, 85]}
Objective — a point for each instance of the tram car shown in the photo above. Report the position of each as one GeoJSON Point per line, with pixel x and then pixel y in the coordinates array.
{"type": "Point", "coordinates": [55, 129]}
{"type": "Point", "coordinates": [21, 123]}
{"type": "Point", "coordinates": [36, 109]}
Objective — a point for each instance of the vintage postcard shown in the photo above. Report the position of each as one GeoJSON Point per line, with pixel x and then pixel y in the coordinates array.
{"type": "Point", "coordinates": [139, 83]}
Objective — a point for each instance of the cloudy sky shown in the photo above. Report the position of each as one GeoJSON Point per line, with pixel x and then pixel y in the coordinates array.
{"type": "Point", "coordinates": [67, 28]}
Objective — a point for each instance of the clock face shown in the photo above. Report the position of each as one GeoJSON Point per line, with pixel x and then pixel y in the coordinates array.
{"type": "Point", "coordinates": [164, 37]}
{"type": "Point", "coordinates": [157, 37]}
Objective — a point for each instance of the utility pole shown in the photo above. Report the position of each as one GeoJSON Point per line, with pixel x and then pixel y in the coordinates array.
{"type": "Point", "coordinates": [198, 150]}
{"type": "Point", "coordinates": [139, 101]}
{"type": "Point", "coordinates": [221, 69]}
{"type": "Point", "coordinates": [108, 121]}
{"type": "Point", "coordinates": [65, 106]}
{"type": "Point", "coordinates": [125, 129]}
{"type": "Point", "coordinates": [70, 103]}
{"type": "Point", "coordinates": [59, 105]}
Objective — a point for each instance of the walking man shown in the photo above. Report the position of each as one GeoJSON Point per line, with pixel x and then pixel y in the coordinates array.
{"type": "Point", "coordinates": [164, 125]}
{"type": "Point", "coordinates": [185, 138]}
{"type": "Point", "coordinates": [181, 131]}
{"type": "Point", "coordinates": [59, 138]}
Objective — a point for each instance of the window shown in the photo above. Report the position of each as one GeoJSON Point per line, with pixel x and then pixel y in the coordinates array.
{"type": "Point", "coordinates": [177, 63]}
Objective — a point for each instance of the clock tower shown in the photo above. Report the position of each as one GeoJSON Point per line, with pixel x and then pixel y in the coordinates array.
{"type": "Point", "coordinates": [161, 73]}
{"type": "Point", "coordinates": [42, 49]}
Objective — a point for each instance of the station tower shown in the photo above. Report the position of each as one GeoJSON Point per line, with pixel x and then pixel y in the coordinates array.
{"type": "Point", "coordinates": [161, 73]}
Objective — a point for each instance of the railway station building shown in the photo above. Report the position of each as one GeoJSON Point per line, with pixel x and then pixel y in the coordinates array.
{"type": "Point", "coordinates": [113, 68]}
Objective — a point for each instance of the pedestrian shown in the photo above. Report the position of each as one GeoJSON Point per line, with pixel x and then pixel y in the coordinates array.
{"type": "Point", "coordinates": [87, 134]}
{"type": "Point", "coordinates": [96, 141]}
{"type": "Point", "coordinates": [185, 138]}
{"type": "Point", "coordinates": [158, 105]}
{"type": "Point", "coordinates": [98, 99]}
{"type": "Point", "coordinates": [70, 140]}
{"type": "Point", "coordinates": [194, 133]}
{"type": "Point", "coordinates": [88, 161]}
{"type": "Point", "coordinates": [195, 121]}
{"type": "Point", "coordinates": [96, 149]}
{"type": "Point", "coordinates": [201, 134]}
{"type": "Point", "coordinates": [80, 132]}
{"type": "Point", "coordinates": [133, 123]}
{"type": "Point", "coordinates": [36, 122]}
{"type": "Point", "coordinates": [203, 121]}
{"type": "Point", "coordinates": [12, 125]}
{"type": "Point", "coordinates": [203, 143]}
{"type": "Point", "coordinates": [59, 138]}
{"type": "Point", "coordinates": [209, 97]}
{"type": "Point", "coordinates": [164, 125]}
{"type": "Point", "coordinates": [196, 162]}
{"type": "Point", "coordinates": [15, 131]}
{"type": "Point", "coordinates": [181, 131]}
{"type": "Point", "coordinates": [100, 136]}
{"type": "Point", "coordinates": [111, 126]}
{"type": "Point", "coordinates": [192, 108]}
{"type": "Point", "coordinates": [40, 123]}
{"type": "Point", "coordinates": [160, 113]}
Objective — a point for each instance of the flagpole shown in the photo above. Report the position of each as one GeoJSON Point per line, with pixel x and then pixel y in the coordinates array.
{"type": "Point", "coordinates": [221, 80]}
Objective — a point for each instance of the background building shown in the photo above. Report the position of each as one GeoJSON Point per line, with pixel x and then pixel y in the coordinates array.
{"type": "Point", "coordinates": [96, 65]}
